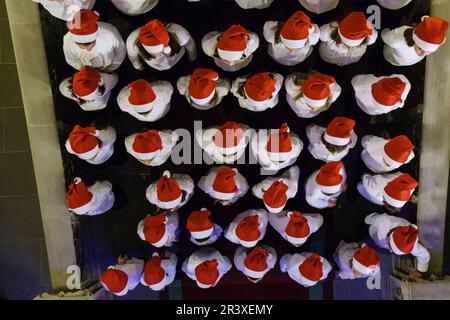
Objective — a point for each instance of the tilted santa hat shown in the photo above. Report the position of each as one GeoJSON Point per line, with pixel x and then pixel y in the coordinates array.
{"type": "Point", "coordinates": [255, 263]}
{"type": "Point", "coordinates": [259, 88]}
{"type": "Point", "coordinates": [78, 197]}
{"type": "Point", "coordinates": [147, 145]}
{"type": "Point", "coordinates": [168, 192]}
{"type": "Point", "coordinates": [354, 29]}
{"type": "Point", "coordinates": [202, 85]}
{"type": "Point", "coordinates": [154, 37]}
{"type": "Point", "coordinates": [398, 191]}
{"type": "Point", "coordinates": [224, 185]}
{"type": "Point", "coordinates": [114, 280]}
{"type": "Point", "coordinates": [275, 197]}
{"type": "Point", "coordinates": [316, 89]}
{"type": "Point", "coordinates": [403, 239]}
{"type": "Point", "coordinates": [247, 231]}
{"type": "Point", "coordinates": [279, 145]}
{"type": "Point", "coordinates": [83, 142]}
{"type": "Point", "coordinates": [329, 177]}
{"type": "Point", "coordinates": [297, 230]}
{"type": "Point", "coordinates": [339, 131]}
{"type": "Point", "coordinates": [86, 82]}
{"type": "Point", "coordinates": [388, 92]}
{"type": "Point", "coordinates": [233, 43]}
{"type": "Point", "coordinates": [154, 274]}
{"type": "Point", "coordinates": [429, 35]}
{"type": "Point", "coordinates": [366, 260]}
{"type": "Point", "coordinates": [199, 224]}
{"type": "Point", "coordinates": [84, 27]}
{"type": "Point", "coordinates": [155, 231]}
{"type": "Point", "coordinates": [296, 30]}
{"type": "Point", "coordinates": [207, 273]}
{"type": "Point", "coordinates": [141, 96]}
{"type": "Point", "coordinates": [397, 151]}
{"type": "Point", "coordinates": [311, 270]}
{"type": "Point", "coordinates": [229, 138]}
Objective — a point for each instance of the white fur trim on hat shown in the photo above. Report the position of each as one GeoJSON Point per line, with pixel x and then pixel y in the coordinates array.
{"type": "Point", "coordinates": [274, 210]}
{"type": "Point", "coordinates": [294, 44]}
{"type": "Point", "coordinates": [163, 240]}
{"type": "Point", "coordinates": [87, 155]}
{"type": "Point", "coordinates": [315, 103]}
{"type": "Point", "coordinates": [330, 189]}
{"type": "Point", "coordinates": [202, 234]}
{"type": "Point", "coordinates": [426, 46]}
{"type": "Point", "coordinates": [158, 49]}
{"type": "Point", "coordinates": [362, 268]}
{"type": "Point", "coordinates": [335, 140]}
{"type": "Point", "coordinates": [204, 100]}
{"type": "Point", "coordinates": [394, 247]}
{"type": "Point", "coordinates": [296, 241]}
{"type": "Point", "coordinates": [203, 286]}
{"type": "Point", "coordinates": [393, 202]}
{"type": "Point", "coordinates": [247, 244]}
{"type": "Point", "coordinates": [254, 274]}
{"type": "Point", "coordinates": [222, 195]}
{"type": "Point", "coordinates": [279, 156]}
{"type": "Point", "coordinates": [230, 55]}
{"type": "Point", "coordinates": [146, 156]}
{"type": "Point", "coordinates": [350, 42]}
{"type": "Point", "coordinates": [142, 108]}
{"type": "Point", "coordinates": [160, 285]}
{"type": "Point", "coordinates": [91, 96]}
{"type": "Point", "coordinates": [306, 281]}
{"type": "Point", "coordinates": [232, 150]}
{"type": "Point", "coordinates": [87, 38]}
{"type": "Point", "coordinates": [258, 104]}
{"type": "Point", "coordinates": [391, 162]}
{"type": "Point", "coordinates": [170, 204]}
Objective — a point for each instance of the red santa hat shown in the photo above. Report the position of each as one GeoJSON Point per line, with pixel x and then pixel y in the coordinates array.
{"type": "Point", "coordinates": [397, 151]}
{"type": "Point", "coordinates": [199, 224]}
{"type": "Point", "coordinates": [114, 280]}
{"type": "Point", "coordinates": [329, 178]}
{"type": "Point", "coordinates": [247, 231]}
{"type": "Point", "coordinates": [388, 92]}
{"type": "Point", "coordinates": [84, 27]}
{"type": "Point", "coordinates": [366, 260]}
{"type": "Point", "coordinates": [403, 239]}
{"type": "Point", "coordinates": [297, 230]}
{"type": "Point", "coordinates": [202, 85]}
{"type": "Point", "coordinates": [311, 270]}
{"type": "Point", "coordinates": [229, 138]}
{"type": "Point", "coordinates": [255, 263]}
{"type": "Point", "coordinates": [141, 96]}
{"type": "Point", "coordinates": [155, 231]}
{"type": "Point", "coordinates": [275, 197]}
{"type": "Point", "coordinates": [233, 43]}
{"type": "Point", "coordinates": [78, 197]}
{"type": "Point", "coordinates": [83, 142]}
{"type": "Point", "coordinates": [354, 29]}
{"type": "Point", "coordinates": [154, 274]}
{"type": "Point", "coordinates": [207, 273]}
{"type": "Point", "coordinates": [316, 89]}
{"type": "Point", "coordinates": [398, 191]}
{"type": "Point", "coordinates": [429, 35]}
{"type": "Point", "coordinates": [296, 30]}
{"type": "Point", "coordinates": [154, 37]}
{"type": "Point", "coordinates": [147, 145]}
{"type": "Point", "coordinates": [168, 192]}
{"type": "Point", "coordinates": [224, 186]}
{"type": "Point", "coordinates": [339, 131]}
{"type": "Point", "coordinates": [259, 88]}
{"type": "Point", "coordinates": [85, 83]}
{"type": "Point", "coordinates": [279, 146]}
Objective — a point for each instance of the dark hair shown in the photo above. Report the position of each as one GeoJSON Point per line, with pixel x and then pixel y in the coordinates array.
{"type": "Point", "coordinates": [174, 45]}
{"type": "Point", "coordinates": [277, 30]}
{"type": "Point", "coordinates": [390, 208]}
{"type": "Point", "coordinates": [332, 147]}
{"type": "Point", "coordinates": [408, 34]}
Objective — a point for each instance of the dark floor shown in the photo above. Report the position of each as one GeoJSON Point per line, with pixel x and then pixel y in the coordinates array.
{"type": "Point", "coordinates": [102, 238]}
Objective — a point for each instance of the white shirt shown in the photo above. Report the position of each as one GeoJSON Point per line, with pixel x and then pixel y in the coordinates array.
{"type": "Point", "coordinates": [319, 6]}
{"type": "Point", "coordinates": [396, 50]}
{"type": "Point", "coordinates": [318, 148]}
{"type": "Point", "coordinates": [246, 103]}
{"type": "Point", "coordinates": [340, 54]}
{"type": "Point", "coordinates": [169, 265]}
{"type": "Point", "coordinates": [241, 254]}
{"type": "Point", "coordinates": [209, 45]}
{"type": "Point", "coordinates": [217, 231]}
{"type": "Point", "coordinates": [254, 4]}
{"type": "Point", "coordinates": [297, 102]}
{"type": "Point", "coordinates": [135, 7]}
{"type": "Point", "coordinates": [371, 187]}
{"type": "Point", "coordinates": [109, 81]}
{"type": "Point", "coordinates": [362, 84]}
{"type": "Point", "coordinates": [107, 55]}
{"type": "Point", "coordinates": [172, 229]}
{"type": "Point", "coordinates": [102, 198]}
{"type": "Point", "coordinates": [169, 140]}
{"type": "Point", "coordinates": [230, 232]}
{"type": "Point", "coordinates": [280, 53]}
{"type": "Point", "coordinates": [185, 183]}
{"type": "Point", "coordinates": [314, 195]}
{"type": "Point", "coordinates": [65, 9]}
{"type": "Point", "coordinates": [160, 106]}
{"type": "Point", "coordinates": [222, 89]}
{"type": "Point", "coordinates": [133, 268]}
{"type": "Point", "coordinates": [379, 227]}
{"type": "Point", "coordinates": [373, 154]}
{"type": "Point", "coordinates": [393, 4]}
{"type": "Point", "coordinates": [290, 263]}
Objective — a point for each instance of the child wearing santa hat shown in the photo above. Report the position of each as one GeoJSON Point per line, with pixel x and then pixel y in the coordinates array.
{"type": "Point", "coordinates": [203, 231]}
{"type": "Point", "coordinates": [345, 42]}
{"type": "Point", "coordinates": [65, 9]}
{"type": "Point", "coordinates": [319, 6]}
{"type": "Point", "coordinates": [333, 142]}
{"type": "Point", "coordinates": [160, 45]}
{"type": "Point", "coordinates": [257, 92]}
{"type": "Point", "coordinates": [91, 201]}
{"type": "Point", "coordinates": [122, 277]}
{"type": "Point", "coordinates": [160, 229]}
{"type": "Point", "coordinates": [232, 49]}
{"type": "Point", "coordinates": [394, 4]}
{"type": "Point", "coordinates": [90, 144]}
{"type": "Point", "coordinates": [405, 46]}
{"type": "Point", "coordinates": [384, 155]}
{"type": "Point", "coordinates": [276, 191]}
{"type": "Point", "coordinates": [159, 272]}
{"type": "Point", "coordinates": [206, 267]}
{"type": "Point", "coordinates": [305, 268]}
{"type": "Point", "coordinates": [203, 89]}
{"type": "Point", "coordinates": [291, 42]}
{"type": "Point", "coordinates": [224, 184]}
{"type": "Point", "coordinates": [356, 260]}
{"type": "Point", "coordinates": [134, 7]}
{"type": "Point", "coordinates": [254, 4]}
{"type": "Point", "coordinates": [248, 228]}
{"type": "Point", "coordinates": [309, 94]}
{"type": "Point", "coordinates": [255, 262]}
{"type": "Point", "coordinates": [94, 44]}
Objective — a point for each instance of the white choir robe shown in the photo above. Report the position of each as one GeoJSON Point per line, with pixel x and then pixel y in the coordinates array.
{"type": "Point", "coordinates": [343, 255]}
{"type": "Point", "coordinates": [340, 54]}
{"type": "Point", "coordinates": [107, 136]}
{"type": "Point", "coordinates": [107, 55]}
{"type": "Point", "coordinates": [241, 254]}
{"type": "Point", "coordinates": [280, 53]}
{"type": "Point", "coordinates": [279, 222]}
{"type": "Point", "coordinates": [185, 183]}
{"type": "Point", "coordinates": [108, 81]}
{"type": "Point", "coordinates": [290, 263]}
{"type": "Point", "coordinates": [315, 197]}
{"type": "Point", "coordinates": [169, 140]}
{"type": "Point", "coordinates": [217, 231]}
{"type": "Point", "coordinates": [102, 198]}
{"type": "Point", "coordinates": [134, 7]}
{"type": "Point", "coordinates": [202, 255]}
{"type": "Point", "coordinates": [222, 89]}
{"type": "Point", "coordinates": [230, 232]}
{"type": "Point", "coordinates": [169, 265]}
{"type": "Point", "coordinates": [372, 187]}
{"type": "Point", "coordinates": [394, 4]}
{"type": "Point", "coordinates": [362, 84]}
{"type": "Point", "coordinates": [206, 184]}
{"type": "Point", "coordinates": [373, 154]}
{"type": "Point", "coordinates": [319, 6]}
{"type": "Point", "coordinates": [297, 102]}
{"type": "Point", "coordinates": [164, 62]}
{"type": "Point", "coordinates": [396, 50]}
{"type": "Point", "coordinates": [254, 4]}
{"type": "Point", "coordinates": [209, 45]}
{"type": "Point", "coordinates": [163, 91]}
{"type": "Point", "coordinates": [65, 9]}
{"type": "Point", "coordinates": [204, 139]}
{"type": "Point", "coordinates": [246, 103]}
{"type": "Point", "coordinates": [133, 268]}
{"type": "Point", "coordinates": [172, 229]}
{"type": "Point", "coordinates": [319, 150]}
{"type": "Point", "coordinates": [379, 227]}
